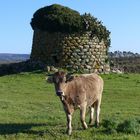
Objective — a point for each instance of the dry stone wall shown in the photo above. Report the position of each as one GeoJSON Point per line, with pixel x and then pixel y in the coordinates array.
{"type": "Point", "coordinates": [80, 51]}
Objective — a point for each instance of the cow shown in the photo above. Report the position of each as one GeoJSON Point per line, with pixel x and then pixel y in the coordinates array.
{"type": "Point", "coordinates": [82, 91]}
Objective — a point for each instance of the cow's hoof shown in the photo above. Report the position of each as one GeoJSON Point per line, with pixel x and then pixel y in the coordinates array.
{"type": "Point", "coordinates": [84, 126]}
{"type": "Point", "coordinates": [97, 125]}
{"type": "Point", "coordinates": [91, 122]}
{"type": "Point", "coordinates": [90, 125]}
{"type": "Point", "coordinates": [69, 132]}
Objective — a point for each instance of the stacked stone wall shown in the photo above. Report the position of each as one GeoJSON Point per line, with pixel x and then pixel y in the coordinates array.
{"type": "Point", "coordinates": [81, 51]}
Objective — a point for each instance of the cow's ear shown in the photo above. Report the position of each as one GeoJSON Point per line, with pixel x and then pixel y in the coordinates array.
{"type": "Point", "coordinates": [49, 79]}
{"type": "Point", "coordinates": [69, 77]}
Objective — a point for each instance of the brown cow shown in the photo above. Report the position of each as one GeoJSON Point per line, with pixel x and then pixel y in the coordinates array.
{"type": "Point", "coordinates": [79, 92]}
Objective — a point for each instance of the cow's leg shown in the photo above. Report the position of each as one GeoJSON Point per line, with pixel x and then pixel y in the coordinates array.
{"type": "Point", "coordinates": [82, 116]}
{"type": "Point", "coordinates": [97, 109]}
{"type": "Point", "coordinates": [69, 111]}
{"type": "Point", "coordinates": [69, 126]}
{"type": "Point", "coordinates": [91, 121]}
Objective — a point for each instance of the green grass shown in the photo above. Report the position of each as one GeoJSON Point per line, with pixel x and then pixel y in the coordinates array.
{"type": "Point", "coordinates": [29, 108]}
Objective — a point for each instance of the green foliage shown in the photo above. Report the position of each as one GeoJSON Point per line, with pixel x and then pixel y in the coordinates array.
{"type": "Point", "coordinates": [57, 18]}
{"type": "Point", "coordinates": [130, 126]}
{"type": "Point", "coordinates": [96, 27]}
{"type": "Point", "coordinates": [111, 125]}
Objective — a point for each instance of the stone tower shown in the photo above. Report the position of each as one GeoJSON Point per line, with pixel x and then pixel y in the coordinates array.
{"type": "Point", "coordinates": [79, 50]}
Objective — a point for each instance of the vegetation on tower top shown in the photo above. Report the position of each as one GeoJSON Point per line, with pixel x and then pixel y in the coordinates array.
{"type": "Point", "coordinates": [57, 18]}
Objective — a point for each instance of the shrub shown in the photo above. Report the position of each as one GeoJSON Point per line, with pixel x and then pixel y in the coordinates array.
{"type": "Point", "coordinates": [57, 18]}
{"type": "Point", "coordinates": [96, 27]}
{"type": "Point", "coordinates": [110, 125]}
{"type": "Point", "coordinates": [129, 126]}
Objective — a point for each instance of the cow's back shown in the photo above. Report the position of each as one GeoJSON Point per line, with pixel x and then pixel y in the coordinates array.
{"type": "Point", "coordinates": [93, 87]}
{"type": "Point", "coordinates": [86, 87]}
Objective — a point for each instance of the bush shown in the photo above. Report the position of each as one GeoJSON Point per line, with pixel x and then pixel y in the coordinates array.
{"type": "Point", "coordinates": [129, 126]}
{"type": "Point", "coordinates": [111, 125]}
{"type": "Point", "coordinates": [57, 18]}
{"type": "Point", "coordinates": [96, 27]}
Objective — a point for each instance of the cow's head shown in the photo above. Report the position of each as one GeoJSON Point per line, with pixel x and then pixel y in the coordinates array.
{"type": "Point", "coordinates": [59, 79]}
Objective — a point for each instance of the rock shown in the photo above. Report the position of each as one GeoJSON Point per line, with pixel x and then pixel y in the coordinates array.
{"type": "Point", "coordinates": [88, 67]}
{"type": "Point", "coordinates": [80, 60]}
{"type": "Point", "coordinates": [53, 69]}
{"type": "Point", "coordinates": [81, 53]}
{"type": "Point", "coordinates": [92, 56]}
{"type": "Point", "coordinates": [97, 46]}
{"type": "Point", "coordinates": [80, 46]}
{"type": "Point", "coordinates": [100, 70]}
{"type": "Point", "coordinates": [86, 70]}
{"type": "Point", "coordinates": [70, 38]}
{"type": "Point", "coordinates": [77, 50]}
{"type": "Point", "coordinates": [87, 60]}
{"type": "Point", "coordinates": [86, 46]}
{"type": "Point", "coordinates": [91, 63]}
{"type": "Point", "coordinates": [90, 43]}
{"type": "Point", "coordinates": [85, 50]}
{"type": "Point", "coordinates": [115, 70]}
{"type": "Point", "coordinates": [78, 41]}
{"type": "Point", "coordinates": [74, 54]}
{"type": "Point", "coordinates": [48, 69]}
{"type": "Point", "coordinates": [101, 67]}
{"type": "Point", "coordinates": [83, 63]}
{"type": "Point", "coordinates": [76, 38]}
{"type": "Point", "coordinates": [85, 41]}
{"type": "Point", "coordinates": [83, 57]}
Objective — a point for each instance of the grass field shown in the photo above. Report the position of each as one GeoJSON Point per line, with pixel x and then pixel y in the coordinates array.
{"type": "Point", "coordinates": [29, 108]}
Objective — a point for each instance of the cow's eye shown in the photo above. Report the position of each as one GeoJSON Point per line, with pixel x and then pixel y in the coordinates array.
{"type": "Point", "coordinates": [57, 81]}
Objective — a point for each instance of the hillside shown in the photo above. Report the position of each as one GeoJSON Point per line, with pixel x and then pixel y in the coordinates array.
{"type": "Point", "coordinates": [12, 58]}
{"type": "Point", "coordinates": [125, 61]}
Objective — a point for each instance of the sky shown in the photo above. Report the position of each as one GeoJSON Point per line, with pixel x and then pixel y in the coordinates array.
{"type": "Point", "coordinates": [121, 18]}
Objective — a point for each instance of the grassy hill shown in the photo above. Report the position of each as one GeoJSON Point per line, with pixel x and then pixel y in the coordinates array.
{"type": "Point", "coordinates": [29, 108]}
